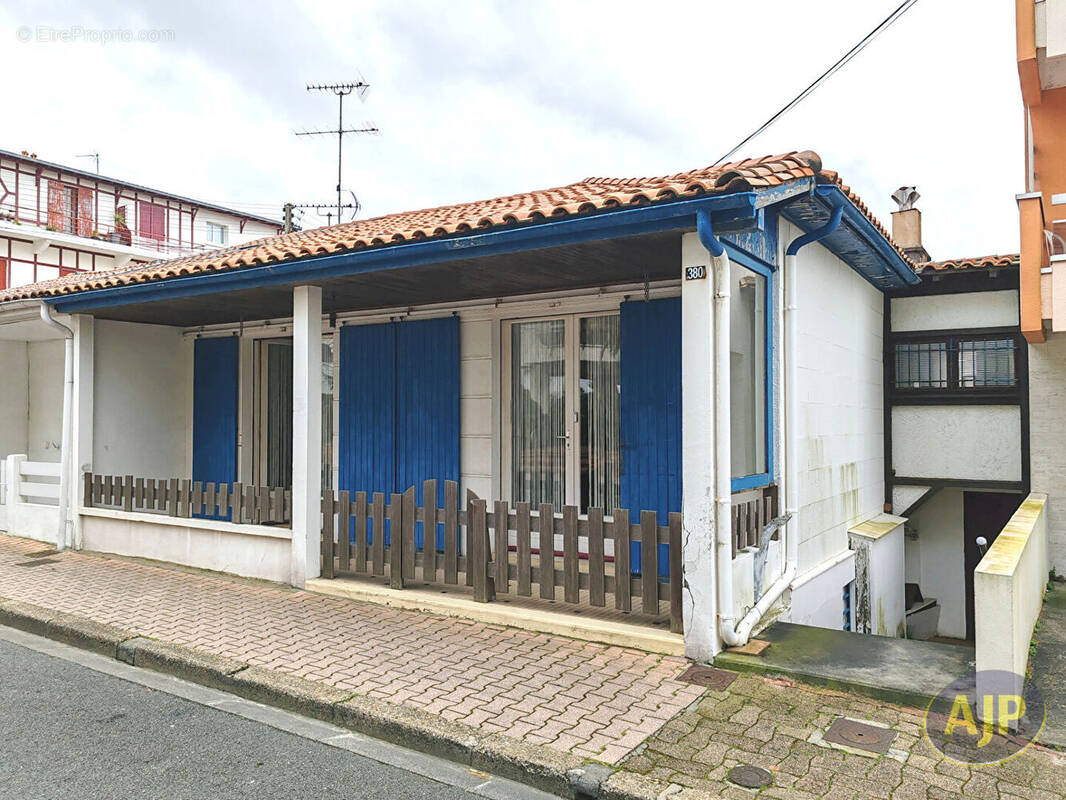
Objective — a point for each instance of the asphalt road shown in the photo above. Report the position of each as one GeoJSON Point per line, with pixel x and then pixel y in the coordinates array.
{"type": "Point", "coordinates": [71, 731]}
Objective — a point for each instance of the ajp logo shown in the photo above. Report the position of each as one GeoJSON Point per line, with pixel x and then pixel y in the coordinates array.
{"type": "Point", "coordinates": [985, 718]}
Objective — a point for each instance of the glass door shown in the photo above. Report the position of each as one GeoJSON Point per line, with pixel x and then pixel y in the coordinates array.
{"type": "Point", "coordinates": [564, 411]}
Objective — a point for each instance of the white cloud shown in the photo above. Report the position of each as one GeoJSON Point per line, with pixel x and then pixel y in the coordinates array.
{"type": "Point", "coordinates": [476, 99]}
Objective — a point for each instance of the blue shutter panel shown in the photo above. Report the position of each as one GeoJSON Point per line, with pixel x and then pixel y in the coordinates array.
{"type": "Point", "coordinates": [367, 408]}
{"type": "Point", "coordinates": [650, 412]}
{"type": "Point", "coordinates": [214, 415]}
{"type": "Point", "coordinates": [427, 406]}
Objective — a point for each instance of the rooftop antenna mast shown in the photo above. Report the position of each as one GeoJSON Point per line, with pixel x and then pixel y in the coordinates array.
{"type": "Point", "coordinates": [341, 90]}
{"type": "Point", "coordinates": [95, 157]}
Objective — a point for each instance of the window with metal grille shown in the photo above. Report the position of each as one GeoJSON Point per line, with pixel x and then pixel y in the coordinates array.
{"type": "Point", "coordinates": [989, 362]}
{"type": "Point", "coordinates": [963, 365]}
{"type": "Point", "coordinates": [921, 365]}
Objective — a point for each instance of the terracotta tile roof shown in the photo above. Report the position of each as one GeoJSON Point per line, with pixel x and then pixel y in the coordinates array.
{"type": "Point", "coordinates": [582, 197]}
{"type": "Point", "coordinates": [978, 262]}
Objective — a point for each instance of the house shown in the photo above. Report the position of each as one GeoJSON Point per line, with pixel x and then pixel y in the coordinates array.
{"type": "Point", "coordinates": [693, 363]}
{"type": "Point", "coordinates": [55, 220]}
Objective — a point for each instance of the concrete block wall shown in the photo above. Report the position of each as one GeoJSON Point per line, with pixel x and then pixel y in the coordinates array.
{"type": "Point", "coordinates": [1047, 437]}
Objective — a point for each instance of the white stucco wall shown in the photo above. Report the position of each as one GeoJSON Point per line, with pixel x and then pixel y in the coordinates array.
{"type": "Point", "coordinates": [1047, 437]}
{"type": "Point", "coordinates": [818, 594]}
{"type": "Point", "coordinates": [142, 381]}
{"type": "Point", "coordinates": [963, 442]}
{"type": "Point", "coordinates": [841, 320]}
{"type": "Point", "coordinates": [936, 561]}
{"type": "Point", "coordinates": [14, 410]}
{"type": "Point", "coordinates": [45, 421]}
{"type": "Point", "coordinates": [950, 311]}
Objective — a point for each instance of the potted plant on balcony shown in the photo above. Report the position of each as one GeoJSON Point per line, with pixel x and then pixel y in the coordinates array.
{"type": "Point", "coordinates": [121, 234]}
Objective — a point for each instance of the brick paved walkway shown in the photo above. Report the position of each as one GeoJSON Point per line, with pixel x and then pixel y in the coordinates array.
{"type": "Point", "coordinates": [593, 700]}
{"type": "Point", "coordinates": [770, 724]}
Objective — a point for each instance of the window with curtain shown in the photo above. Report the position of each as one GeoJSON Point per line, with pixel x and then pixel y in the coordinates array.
{"type": "Point", "coordinates": [747, 371]}
{"type": "Point", "coordinates": [600, 390]}
{"type": "Point", "coordinates": [538, 411]}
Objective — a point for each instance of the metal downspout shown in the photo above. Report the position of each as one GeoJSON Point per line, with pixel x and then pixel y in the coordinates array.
{"type": "Point", "coordinates": [62, 536]}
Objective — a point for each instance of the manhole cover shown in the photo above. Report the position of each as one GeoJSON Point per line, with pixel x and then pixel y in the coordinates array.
{"type": "Point", "coordinates": [710, 677]}
{"type": "Point", "coordinates": [861, 736]}
{"type": "Point", "coordinates": [750, 777]}
{"type": "Point", "coordinates": [38, 562]}
{"type": "Point", "coordinates": [42, 553]}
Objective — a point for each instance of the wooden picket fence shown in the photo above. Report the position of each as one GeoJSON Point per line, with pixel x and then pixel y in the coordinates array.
{"type": "Point", "coordinates": [750, 517]}
{"type": "Point", "coordinates": [236, 502]}
{"type": "Point", "coordinates": [503, 547]}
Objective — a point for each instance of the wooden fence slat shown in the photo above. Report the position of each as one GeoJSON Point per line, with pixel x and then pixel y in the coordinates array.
{"type": "Point", "coordinates": [262, 506]}
{"type": "Point", "coordinates": [327, 533]}
{"type": "Point", "coordinates": [676, 624]}
{"type": "Point", "coordinates": [138, 493]}
{"type": "Point", "coordinates": [451, 532]}
{"type": "Point", "coordinates": [196, 499]}
{"type": "Point", "coordinates": [501, 558]}
{"type": "Point", "coordinates": [151, 501]}
{"type": "Point", "coordinates": [87, 489]}
{"type": "Point", "coordinates": [470, 497]}
{"type": "Point", "coordinates": [407, 546]}
{"type": "Point", "coordinates": [360, 531]}
{"type": "Point", "coordinates": [277, 505]}
{"type": "Point", "coordinates": [429, 531]}
{"type": "Point", "coordinates": [344, 530]}
{"type": "Point", "coordinates": [98, 489]}
{"type": "Point", "coordinates": [595, 550]}
{"type": "Point", "coordinates": [127, 493]}
{"type": "Point", "coordinates": [185, 498]}
{"type": "Point", "coordinates": [522, 542]}
{"type": "Point", "coordinates": [236, 501]}
{"type": "Point", "coordinates": [622, 591]}
{"type": "Point", "coordinates": [571, 569]}
{"type": "Point", "coordinates": [172, 497]}
{"type": "Point", "coordinates": [477, 536]}
{"type": "Point", "coordinates": [547, 551]}
{"type": "Point", "coordinates": [222, 501]}
{"type": "Point", "coordinates": [249, 505]}
{"type": "Point", "coordinates": [210, 494]}
{"type": "Point", "coordinates": [649, 562]}
{"type": "Point", "coordinates": [395, 517]}
{"type": "Point", "coordinates": [377, 544]}
{"type": "Point", "coordinates": [108, 496]}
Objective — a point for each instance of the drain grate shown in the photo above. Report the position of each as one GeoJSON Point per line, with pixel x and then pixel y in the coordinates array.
{"type": "Point", "coordinates": [710, 677]}
{"type": "Point", "coordinates": [750, 777]}
{"type": "Point", "coordinates": [38, 562]}
{"type": "Point", "coordinates": [861, 736]}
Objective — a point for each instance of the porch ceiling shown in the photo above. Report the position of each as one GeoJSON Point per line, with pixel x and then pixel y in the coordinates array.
{"type": "Point", "coordinates": [623, 260]}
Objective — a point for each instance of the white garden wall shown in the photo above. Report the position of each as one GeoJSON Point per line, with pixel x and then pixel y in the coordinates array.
{"type": "Point", "coordinates": [953, 311]}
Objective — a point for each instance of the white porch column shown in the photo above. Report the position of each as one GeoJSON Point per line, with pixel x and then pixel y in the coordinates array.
{"type": "Point", "coordinates": [306, 433]}
{"type": "Point", "coordinates": [81, 418]}
{"type": "Point", "coordinates": [698, 454]}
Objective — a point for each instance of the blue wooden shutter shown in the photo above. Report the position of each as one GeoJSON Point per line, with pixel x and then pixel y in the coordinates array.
{"type": "Point", "coordinates": [214, 414]}
{"type": "Point", "coordinates": [651, 410]}
{"type": "Point", "coordinates": [367, 403]}
{"type": "Point", "coordinates": [427, 407]}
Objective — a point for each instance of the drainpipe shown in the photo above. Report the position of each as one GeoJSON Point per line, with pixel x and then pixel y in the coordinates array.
{"type": "Point", "coordinates": [62, 537]}
{"type": "Point", "coordinates": [732, 633]}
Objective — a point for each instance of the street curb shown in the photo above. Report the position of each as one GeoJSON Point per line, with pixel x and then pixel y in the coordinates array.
{"type": "Point", "coordinates": [535, 765]}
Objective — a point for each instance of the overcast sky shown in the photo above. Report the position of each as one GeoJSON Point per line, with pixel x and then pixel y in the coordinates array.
{"type": "Point", "coordinates": [478, 99]}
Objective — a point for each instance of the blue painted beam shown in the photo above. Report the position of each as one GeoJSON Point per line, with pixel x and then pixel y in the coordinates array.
{"type": "Point", "coordinates": [679, 215]}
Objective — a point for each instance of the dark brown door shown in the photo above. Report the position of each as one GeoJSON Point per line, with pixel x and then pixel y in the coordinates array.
{"type": "Point", "coordinates": [983, 514]}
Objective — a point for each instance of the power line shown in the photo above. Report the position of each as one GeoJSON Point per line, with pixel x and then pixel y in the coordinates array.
{"type": "Point", "coordinates": [885, 24]}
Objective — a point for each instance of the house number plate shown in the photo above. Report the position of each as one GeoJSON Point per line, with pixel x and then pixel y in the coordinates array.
{"type": "Point", "coordinates": [695, 273]}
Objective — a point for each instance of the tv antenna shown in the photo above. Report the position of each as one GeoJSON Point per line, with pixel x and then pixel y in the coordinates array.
{"type": "Point", "coordinates": [326, 210]}
{"type": "Point", "coordinates": [341, 90]}
{"type": "Point", "coordinates": [95, 157]}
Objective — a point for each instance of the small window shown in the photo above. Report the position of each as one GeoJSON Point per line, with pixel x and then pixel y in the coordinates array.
{"type": "Point", "coordinates": [217, 234]}
{"type": "Point", "coordinates": [956, 364]}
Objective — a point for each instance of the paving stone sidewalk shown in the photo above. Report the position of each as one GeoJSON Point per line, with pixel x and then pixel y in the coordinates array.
{"type": "Point", "coordinates": [595, 701]}
{"type": "Point", "coordinates": [776, 725]}
{"type": "Point", "coordinates": [613, 704]}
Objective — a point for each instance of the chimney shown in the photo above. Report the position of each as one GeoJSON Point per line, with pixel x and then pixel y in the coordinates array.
{"type": "Point", "coordinates": [907, 224]}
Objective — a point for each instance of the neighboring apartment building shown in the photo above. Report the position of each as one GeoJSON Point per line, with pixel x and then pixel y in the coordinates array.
{"type": "Point", "coordinates": [1041, 32]}
{"type": "Point", "coordinates": [55, 220]}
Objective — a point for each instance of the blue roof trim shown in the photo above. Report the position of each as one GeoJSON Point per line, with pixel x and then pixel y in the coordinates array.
{"type": "Point", "coordinates": [856, 242]}
{"type": "Point", "coordinates": [607, 225]}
